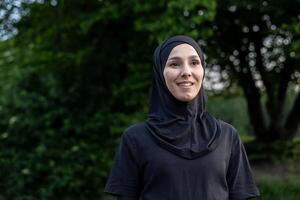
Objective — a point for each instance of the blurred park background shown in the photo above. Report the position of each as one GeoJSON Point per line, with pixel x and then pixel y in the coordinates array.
{"type": "Point", "coordinates": [75, 73]}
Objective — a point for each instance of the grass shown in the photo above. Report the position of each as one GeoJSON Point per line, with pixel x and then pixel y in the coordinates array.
{"type": "Point", "coordinates": [279, 189]}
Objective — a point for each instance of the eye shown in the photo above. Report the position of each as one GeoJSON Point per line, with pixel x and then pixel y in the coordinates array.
{"type": "Point", "coordinates": [195, 62]}
{"type": "Point", "coordinates": [173, 64]}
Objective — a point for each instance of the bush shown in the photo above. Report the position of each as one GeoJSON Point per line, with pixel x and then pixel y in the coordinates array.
{"type": "Point", "coordinates": [279, 190]}
{"type": "Point", "coordinates": [276, 152]}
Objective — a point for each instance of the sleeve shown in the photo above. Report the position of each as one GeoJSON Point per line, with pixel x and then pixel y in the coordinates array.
{"type": "Point", "coordinates": [124, 175]}
{"type": "Point", "coordinates": [239, 176]}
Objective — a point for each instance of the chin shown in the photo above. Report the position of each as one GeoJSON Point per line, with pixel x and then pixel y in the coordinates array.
{"type": "Point", "coordinates": [186, 98]}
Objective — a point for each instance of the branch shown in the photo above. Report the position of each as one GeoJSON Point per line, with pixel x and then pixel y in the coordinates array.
{"type": "Point", "coordinates": [285, 78]}
{"type": "Point", "coordinates": [253, 96]}
{"type": "Point", "coordinates": [274, 108]}
{"type": "Point", "coordinates": [260, 67]}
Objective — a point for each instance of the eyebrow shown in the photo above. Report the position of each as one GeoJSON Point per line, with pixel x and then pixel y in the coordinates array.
{"type": "Point", "coordinates": [178, 58]}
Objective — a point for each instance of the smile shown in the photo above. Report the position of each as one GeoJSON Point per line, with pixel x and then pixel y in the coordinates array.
{"type": "Point", "coordinates": [185, 84]}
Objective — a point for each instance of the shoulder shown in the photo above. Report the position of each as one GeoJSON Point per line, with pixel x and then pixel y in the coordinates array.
{"type": "Point", "coordinates": [227, 127]}
{"type": "Point", "coordinates": [135, 133]}
{"type": "Point", "coordinates": [136, 136]}
{"type": "Point", "coordinates": [231, 138]}
{"type": "Point", "coordinates": [229, 131]}
{"type": "Point", "coordinates": [135, 130]}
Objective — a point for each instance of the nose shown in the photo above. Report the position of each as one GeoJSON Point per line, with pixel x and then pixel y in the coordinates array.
{"type": "Point", "coordinates": [186, 70]}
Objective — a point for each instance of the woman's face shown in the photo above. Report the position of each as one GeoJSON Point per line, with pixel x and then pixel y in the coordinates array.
{"type": "Point", "coordinates": [183, 72]}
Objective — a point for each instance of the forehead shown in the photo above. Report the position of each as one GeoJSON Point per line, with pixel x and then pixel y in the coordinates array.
{"type": "Point", "coordinates": [183, 50]}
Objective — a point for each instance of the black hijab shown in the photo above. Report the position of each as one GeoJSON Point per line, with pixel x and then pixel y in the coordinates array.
{"type": "Point", "coordinates": [183, 128]}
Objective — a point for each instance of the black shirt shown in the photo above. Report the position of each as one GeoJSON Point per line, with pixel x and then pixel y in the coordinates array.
{"type": "Point", "coordinates": [143, 169]}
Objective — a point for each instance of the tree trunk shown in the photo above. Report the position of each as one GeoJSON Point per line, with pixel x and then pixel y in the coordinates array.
{"type": "Point", "coordinates": [277, 129]}
{"type": "Point", "coordinates": [253, 98]}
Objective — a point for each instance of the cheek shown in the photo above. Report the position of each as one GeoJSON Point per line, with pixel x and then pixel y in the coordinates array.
{"type": "Point", "coordinates": [200, 74]}
{"type": "Point", "coordinates": [169, 76]}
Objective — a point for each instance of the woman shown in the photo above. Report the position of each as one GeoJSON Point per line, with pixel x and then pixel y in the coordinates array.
{"type": "Point", "coordinates": [181, 152]}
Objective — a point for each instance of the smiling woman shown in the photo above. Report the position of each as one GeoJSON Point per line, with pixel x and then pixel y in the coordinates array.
{"type": "Point", "coordinates": [183, 72]}
{"type": "Point", "coordinates": [180, 152]}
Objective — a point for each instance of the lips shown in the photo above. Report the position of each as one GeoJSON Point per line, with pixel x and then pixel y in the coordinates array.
{"type": "Point", "coordinates": [185, 84]}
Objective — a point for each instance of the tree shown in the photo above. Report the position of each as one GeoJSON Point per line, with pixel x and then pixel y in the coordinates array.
{"type": "Point", "coordinates": [72, 78]}
{"type": "Point", "coordinates": [257, 44]}
{"type": "Point", "coordinates": [61, 96]}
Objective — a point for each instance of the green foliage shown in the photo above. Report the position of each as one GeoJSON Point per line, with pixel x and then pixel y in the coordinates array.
{"type": "Point", "coordinates": [175, 18]}
{"type": "Point", "coordinates": [76, 74]}
{"type": "Point", "coordinates": [279, 190]}
{"type": "Point", "coordinates": [276, 152]}
{"type": "Point", "coordinates": [256, 47]}
{"type": "Point", "coordinates": [60, 100]}
{"type": "Point", "coordinates": [231, 110]}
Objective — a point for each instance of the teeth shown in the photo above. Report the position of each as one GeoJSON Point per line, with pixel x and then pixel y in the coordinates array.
{"type": "Point", "coordinates": [186, 84]}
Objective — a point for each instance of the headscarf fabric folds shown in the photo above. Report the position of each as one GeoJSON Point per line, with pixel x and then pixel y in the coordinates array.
{"type": "Point", "coordinates": [183, 128]}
